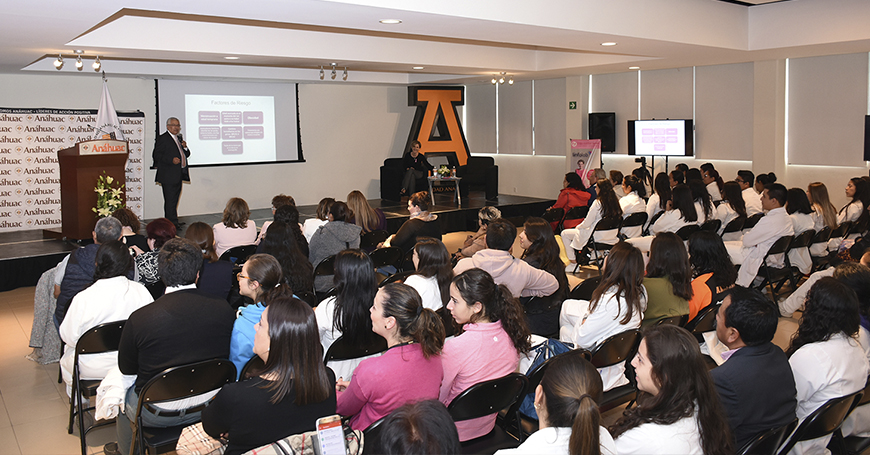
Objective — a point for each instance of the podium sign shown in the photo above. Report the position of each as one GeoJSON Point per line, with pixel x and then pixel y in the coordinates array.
{"type": "Point", "coordinates": [80, 167]}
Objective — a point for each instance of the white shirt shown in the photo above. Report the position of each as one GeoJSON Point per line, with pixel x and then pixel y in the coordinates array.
{"type": "Point", "coordinates": [554, 441]}
{"type": "Point", "coordinates": [759, 239]}
{"type": "Point", "coordinates": [800, 258]}
{"type": "Point", "coordinates": [713, 189]}
{"type": "Point", "coordinates": [852, 212]}
{"type": "Point", "coordinates": [702, 217]}
{"type": "Point", "coordinates": [652, 207]}
{"type": "Point", "coordinates": [632, 203]}
{"type": "Point", "coordinates": [752, 201]}
{"type": "Point", "coordinates": [858, 422]}
{"type": "Point", "coordinates": [311, 226]}
{"type": "Point", "coordinates": [584, 229]}
{"type": "Point", "coordinates": [681, 437]}
{"type": "Point", "coordinates": [822, 371]}
{"type": "Point", "coordinates": [428, 289]}
{"type": "Point", "coordinates": [726, 214]}
{"type": "Point", "coordinates": [325, 315]}
{"type": "Point", "coordinates": [671, 221]}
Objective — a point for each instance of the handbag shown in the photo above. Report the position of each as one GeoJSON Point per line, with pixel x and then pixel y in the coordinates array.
{"type": "Point", "coordinates": [195, 441]}
{"type": "Point", "coordinates": [542, 353]}
{"type": "Point", "coordinates": [303, 444]}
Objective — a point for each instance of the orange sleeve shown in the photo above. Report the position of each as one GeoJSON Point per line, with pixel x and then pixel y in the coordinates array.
{"type": "Point", "coordinates": [701, 295]}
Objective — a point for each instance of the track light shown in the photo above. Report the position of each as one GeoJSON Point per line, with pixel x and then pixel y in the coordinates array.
{"type": "Point", "coordinates": [494, 80]}
{"type": "Point", "coordinates": [333, 72]}
{"type": "Point", "coordinates": [59, 62]}
{"type": "Point", "coordinates": [321, 72]}
{"type": "Point", "coordinates": [344, 76]}
{"type": "Point", "coordinates": [79, 63]}
{"type": "Point", "coordinates": [511, 80]}
{"type": "Point", "coordinates": [97, 64]}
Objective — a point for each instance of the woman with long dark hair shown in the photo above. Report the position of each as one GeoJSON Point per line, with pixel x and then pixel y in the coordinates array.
{"type": "Point", "coordinates": [112, 297]}
{"type": "Point", "coordinates": [617, 305]}
{"type": "Point", "coordinates": [494, 335]}
{"type": "Point", "coordinates": [346, 314]}
{"type": "Point", "coordinates": [293, 390]}
{"type": "Point", "coordinates": [280, 242]}
{"type": "Point", "coordinates": [236, 228]}
{"type": "Point", "coordinates": [678, 410]}
{"type": "Point", "coordinates": [681, 212]}
{"type": "Point", "coordinates": [797, 205]}
{"type": "Point", "coordinates": [658, 202]}
{"type": "Point", "coordinates": [703, 202]}
{"type": "Point", "coordinates": [130, 226]}
{"type": "Point", "coordinates": [216, 277]}
{"type": "Point", "coordinates": [632, 203]}
{"type": "Point", "coordinates": [712, 270]}
{"type": "Point", "coordinates": [668, 280]}
{"type": "Point", "coordinates": [433, 273]}
{"type": "Point", "coordinates": [416, 167]}
{"type": "Point", "coordinates": [542, 252]}
{"type": "Point", "coordinates": [573, 194]}
{"type": "Point", "coordinates": [732, 206]}
{"type": "Point", "coordinates": [825, 356]}
{"type": "Point", "coordinates": [858, 192]}
{"type": "Point", "coordinates": [714, 184]}
{"type": "Point", "coordinates": [606, 205]}
{"type": "Point", "coordinates": [410, 369]}
{"type": "Point", "coordinates": [289, 214]}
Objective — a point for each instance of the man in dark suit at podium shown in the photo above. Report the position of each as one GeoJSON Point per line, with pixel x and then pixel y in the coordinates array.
{"type": "Point", "coordinates": [170, 158]}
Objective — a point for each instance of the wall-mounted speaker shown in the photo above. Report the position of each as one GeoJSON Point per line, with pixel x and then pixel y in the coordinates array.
{"type": "Point", "coordinates": [602, 125]}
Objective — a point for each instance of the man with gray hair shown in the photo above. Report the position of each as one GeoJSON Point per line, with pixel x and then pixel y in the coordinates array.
{"type": "Point", "coordinates": [79, 271]}
{"type": "Point", "coordinates": [170, 159]}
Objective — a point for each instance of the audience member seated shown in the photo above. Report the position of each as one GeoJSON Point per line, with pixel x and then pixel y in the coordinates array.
{"type": "Point", "coordinates": [432, 274]}
{"type": "Point", "coordinates": [798, 208]}
{"type": "Point", "coordinates": [731, 208]}
{"type": "Point", "coordinates": [346, 314]}
{"type": "Point", "coordinates": [682, 167]}
{"type": "Point", "coordinates": [712, 270]}
{"type": "Point", "coordinates": [420, 224]}
{"type": "Point", "coordinates": [155, 334]}
{"type": "Point", "coordinates": [311, 225]}
{"type": "Point", "coordinates": [703, 203]}
{"type": "Point", "coordinates": [715, 184]}
{"type": "Point", "coordinates": [606, 205]}
{"type": "Point", "coordinates": [566, 401]}
{"type": "Point", "coordinates": [750, 252]}
{"type": "Point", "coordinates": [796, 300]}
{"type": "Point", "coordinates": [824, 214]}
{"type": "Point", "coordinates": [677, 409]}
{"type": "Point", "coordinates": [410, 370]}
{"type": "Point", "coordinates": [416, 167]}
{"type": "Point", "coordinates": [857, 277]}
{"type": "Point", "coordinates": [751, 198]}
{"type": "Point", "coordinates": [477, 241]}
{"type": "Point", "coordinates": [858, 192]}
{"type": "Point", "coordinates": [676, 177]}
{"type": "Point", "coordinates": [494, 334]}
{"type": "Point", "coordinates": [826, 359]}
{"type": "Point", "coordinates": [694, 174]}
{"type": "Point", "coordinates": [235, 228]}
{"type": "Point", "coordinates": [216, 277]}
{"type": "Point", "coordinates": [597, 174]}
{"type": "Point", "coordinates": [424, 427]}
{"type": "Point", "coordinates": [280, 243]}
{"type": "Point", "coordinates": [277, 202]}
{"type": "Point", "coordinates": [616, 179]}
{"type": "Point", "coordinates": [668, 280]}
{"type": "Point", "coordinates": [292, 392]}
{"type": "Point", "coordinates": [681, 212]}
{"type": "Point", "coordinates": [573, 194]}
{"type": "Point", "coordinates": [364, 216]}
{"type": "Point", "coordinates": [658, 201]}
{"type": "Point", "coordinates": [542, 252]}
{"type": "Point", "coordinates": [80, 265]}
{"type": "Point", "coordinates": [522, 279]}
{"type": "Point", "coordinates": [112, 297]}
{"type": "Point", "coordinates": [261, 279]}
{"type": "Point", "coordinates": [334, 236]}
{"type": "Point", "coordinates": [617, 305]}
{"type": "Point", "coordinates": [755, 383]}
{"type": "Point", "coordinates": [159, 232]}
{"type": "Point", "coordinates": [762, 180]}
{"type": "Point", "coordinates": [130, 226]}
{"type": "Point", "coordinates": [645, 178]}
{"type": "Point", "coordinates": [290, 216]}
{"type": "Point", "coordinates": [632, 203]}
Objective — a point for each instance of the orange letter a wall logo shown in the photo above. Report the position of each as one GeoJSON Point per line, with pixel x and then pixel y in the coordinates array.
{"type": "Point", "coordinates": [436, 124]}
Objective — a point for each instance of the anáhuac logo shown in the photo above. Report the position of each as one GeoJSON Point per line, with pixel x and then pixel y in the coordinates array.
{"type": "Point", "coordinates": [46, 201]}
{"type": "Point", "coordinates": [19, 128]}
{"type": "Point", "coordinates": [46, 181]}
{"type": "Point", "coordinates": [19, 170]}
{"type": "Point", "coordinates": [13, 161]}
{"type": "Point", "coordinates": [36, 191]}
{"type": "Point", "coordinates": [19, 191]}
{"type": "Point", "coordinates": [38, 171]}
{"type": "Point", "coordinates": [19, 149]}
{"type": "Point", "coordinates": [50, 118]}
{"type": "Point", "coordinates": [78, 129]}
{"type": "Point", "coordinates": [10, 118]}
{"type": "Point", "coordinates": [46, 222]}
{"type": "Point", "coordinates": [39, 129]}
{"type": "Point", "coordinates": [85, 119]}
{"type": "Point", "coordinates": [38, 211]}
{"type": "Point", "coordinates": [7, 182]}
{"type": "Point", "coordinates": [9, 224]}
{"type": "Point", "coordinates": [10, 140]}
{"type": "Point", "coordinates": [38, 149]}
{"type": "Point", "coordinates": [8, 203]}
{"type": "Point", "coordinates": [45, 160]}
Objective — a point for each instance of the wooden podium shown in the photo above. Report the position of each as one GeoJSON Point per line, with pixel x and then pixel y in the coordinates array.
{"type": "Point", "coordinates": [80, 167]}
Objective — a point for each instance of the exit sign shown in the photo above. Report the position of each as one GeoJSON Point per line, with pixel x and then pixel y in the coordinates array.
{"type": "Point", "coordinates": [572, 105]}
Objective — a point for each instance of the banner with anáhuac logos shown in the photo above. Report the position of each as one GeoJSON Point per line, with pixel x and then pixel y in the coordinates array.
{"type": "Point", "coordinates": [29, 171]}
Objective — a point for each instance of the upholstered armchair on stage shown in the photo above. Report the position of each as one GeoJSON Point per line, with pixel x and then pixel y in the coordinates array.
{"type": "Point", "coordinates": [391, 180]}
{"type": "Point", "coordinates": [480, 173]}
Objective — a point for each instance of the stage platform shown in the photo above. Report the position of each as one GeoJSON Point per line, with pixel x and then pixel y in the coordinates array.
{"type": "Point", "coordinates": [25, 255]}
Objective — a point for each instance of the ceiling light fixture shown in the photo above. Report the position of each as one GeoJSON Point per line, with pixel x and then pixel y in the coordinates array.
{"type": "Point", "coordinates": [344, 76]}
{"type": "Point", "coordinates": [97, 64]}
{"type": "Point", "coordinates": [634, 67]}
{"type": "Point", "coordinates": [511, 80]}
{"type": "Point", "coordinates": [321, 72]}
{"type": "Point", "coordinates": [390, 21]}
{"type": "Point", "coordinates": [494, 80]}
{"type": "Point", "coordinates": [500, 78]}
{"type": "Point", "coordinates": [333, 72]}
{"type": "Point", "coordinates": [79, 63]}
{"type": "Point", "coordinates": [59, 62]}
{"type": "Point", "coordinates": [609, 43]}
{"type": "Point", "coordinates": [418, 67]}
{"type": "Point", "coordinates": [231, 58]}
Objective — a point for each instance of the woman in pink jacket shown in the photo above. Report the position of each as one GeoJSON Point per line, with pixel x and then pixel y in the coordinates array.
{"type": "Point", "coordinates": [494, 334]}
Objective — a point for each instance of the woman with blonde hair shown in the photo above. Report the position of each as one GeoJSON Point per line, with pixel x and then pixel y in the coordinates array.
{"type": "Point", "coordinates": [825, 212]}
{"type": "Point", "coordinates": [364, 215]}
{"type": "Point", "coordinates": [235, 228]}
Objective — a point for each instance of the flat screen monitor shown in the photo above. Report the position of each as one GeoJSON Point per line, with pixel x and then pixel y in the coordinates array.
{"type": "Point", "coordinates": [660, 138]}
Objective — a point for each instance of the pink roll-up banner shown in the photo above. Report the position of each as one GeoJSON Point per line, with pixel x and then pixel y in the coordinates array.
{"type": "Point", "coordinates": [584, 157]}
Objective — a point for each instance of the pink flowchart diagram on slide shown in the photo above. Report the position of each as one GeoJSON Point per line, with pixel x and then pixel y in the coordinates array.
{"type": "Point", "coordinates": [233, 128]}
{"type": "Point", "coordinates": [660, 138]}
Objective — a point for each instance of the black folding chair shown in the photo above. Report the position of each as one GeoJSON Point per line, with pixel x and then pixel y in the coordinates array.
{"type": "Point", "coordinates": [823, 421]}
{"type": "Point", "coordinates": [342, 349]}
{"type": "Point", "coordinates": [686, 231]}
{"type": "Point", "coordinates": [371, 434]}
{"type": "Point", "coordinates": [554, 215]}
{"type": "Point", "coordinates": [325, 267]}
{"type": "Point", "coordinates": [802, 240]}
{"type": "Point", "coordinates": [102, 338]}
{"type": "Point", "coordinates": [604, 224]}
{"type": "Point", "coordinates": [389, 256]}
{"type": "Point", "coordinates": [679, 321]}
{"type": "Point", "coordinates": [573, 214]}
{"type": "Point", "coordinates": [735, 225]}
{"type": "Point", "coordinates": [395, 278]}
{"type": "Point", "coordinates": [252, 368]}
{"type": "Point", "coordinates": [239, 254]}
{"type": "Point", "coordinates": [613, 350]}
{"type": "Point", "coordinates": [773, 276]}
{"type": "Point", "coordinates": [584, 290]}
{"type": "Point", "coordinates": [852, 445]}
{"type": "Point", "coordinates": [485, 398]}
{"type": "Point", "coordinates": [634, 220]}
{"type": "Point", "coordinates": [712, 225]}
{"type": "Point", "coordinates": [752, 221]}
{"type": "Point", "coordinates": [766, 442]}
{"type": "Point", "coordinates": [372, 239]}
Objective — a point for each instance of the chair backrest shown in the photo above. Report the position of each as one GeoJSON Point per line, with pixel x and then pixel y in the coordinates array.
{"type": "Point", "coordinates": [679, 321]}
{"type": "Point", "coordinates": [780, 246]}
{"type": "Point", "coordinates": [841, 230]}
{"type": "Point", "coordinates": [576, 213]}
{"type": "Point", "coordinates": [371, 434]}
{"type": "Point", "coordinates": [373, 238]}
{"type": "Point", "coordinates": [608, 223]}
{"type": "Point", "coordinates": [488, 397]}
{"type": "Point", "coordinates": [101, 338]}
{"type": "Point", "coordinates": [408, 262]}
{"type": "Point", "coordinates": [308, 297]}
{"type": "Point", "coordinates": [616, 349]}
{"type": "Point", "coordinates": [252, 368]}
{"type": "Point", "coordinates": [387, 256]}
{"type": "Point", "coordinates": [584, 290]}
{"type": "Point", "coordinates": [712, 225]}
{"type": "Point", "coordinates": [704, 321]}
{"type": "Point", "coordinates": [342, 349]}
{"type": "Point", "coordinates": [686, 231]}
{"type": "Point", "coordinates": [803, 239]}
{"type": "Point", "coordinates": [634, 220]}
{"type": "Point", "coordinates": [824, 420]}
{"type": "Point", "coordinates": [325, 267]}
{"type": "Point", "coordinates": [553, 214]}
{"type": "Point", "coordinates": [656, 217]}
{"type": "Point", "coordinates": [239, 254]}
{"type": "Point", "coordinates": [766, 442]}
{"type": "Point", "coordinates": [752, 221]}
{"type": "Point", "coordinates": [396, 278]}
{"type": "Point", "coordinates": [822, 236]}
{"type": "Point", "coordinates": [735, 225]}
{"type": "Point", "coordinates": [186, 381]}
{"type": "Point", "coordinates": [859, 226]}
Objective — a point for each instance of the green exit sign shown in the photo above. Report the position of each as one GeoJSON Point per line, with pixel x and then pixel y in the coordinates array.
{"type": "Point", "coordinates": [572, 105]}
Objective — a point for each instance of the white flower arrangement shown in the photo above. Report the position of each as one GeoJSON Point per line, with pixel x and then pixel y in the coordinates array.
{"type": "Point", "coordinates": [109, 195]}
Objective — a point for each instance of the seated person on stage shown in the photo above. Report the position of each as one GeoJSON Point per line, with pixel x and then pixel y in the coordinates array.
{"type": "Point", "coordinates": [857, 277]}
{"type": "Point", "coordinates": [416, 167]}
{"type": "Point", "coordinates": [668, 280]}
{"type": "Point", "coordinates": [826, 359]}
{"type": "Point", "coordinates": [606, 205]}
{"type": "Point", "coordinates": [181, 327]}
{"type": "Point", "coordinates": [80, 264]}
{"type": "Point", "coordinates": [477, 241]}
{"type": "Point", "coordinates": [236, 228]}
{"type": "Point", "coordinates": [750, 252]}
{"type": "Point", "coordinates": [746, 180]}
{"type": "Point", "coordinates": [573, 194]}
{"type": "Point", "coordinates": [522, 279]}
{"type": "Point", "coordinates": [420, 224]}
{"type": "Point", "coordinates": [755, 383]}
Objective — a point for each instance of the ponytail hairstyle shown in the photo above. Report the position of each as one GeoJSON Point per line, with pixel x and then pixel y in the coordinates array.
{"type": "Point", "coordinates": [266, 271]}
{"type": "Point", "coordinates": [572, 389]}
{"type": "Point", "coordinates": [607, 198]}
{"type": "Point", "coordinates": [623, 271]}
{"type": "Point", "coordinates": [415, 322]}
{"type": "Point", "coordinates": [323, 208]}
{"type": "Point", "coordinates": [113, 259]}
{"type": "Point", "coordinates": [643, 174]}
{"type": "Point", "coordinates": [476, 285]}
{"type": "Point", "coordinates": [683, 201]}
{"type": "Point", "coordinates": [433, 260]}
{"type": "Point", "coordinates": [355, 289]}
{"type": "Point", "coordinates": [662, 187]}
{"type": "Point", "coordinates": [733, 194]}
{"type": "Point", "coordinates": [635, 184]}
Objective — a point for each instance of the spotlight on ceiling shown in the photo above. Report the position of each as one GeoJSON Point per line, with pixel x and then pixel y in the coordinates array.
{"type": "Point", "coordinates": [390, 21]}
{"type": "Point", "coordinates": [79, 63]}
{"type": "Point", "coordinates": [511, 80]}
{"type": "Point", "coordinates": [333, 72]}
{"type": "Point", "coordinates": [609, 43]}
{"type": "Point", "coordinates": [494, 80]}
{"type": "Point", "coordinates": [344, 76]}
{"type": "Point", "coordinates": [634, 67]}
{"type": "Point", "coordinates": [59, 62]}
{"type": "Point", "coordinates": [97, 64]}
{"type": "Point", "coordinates": [321, 72]}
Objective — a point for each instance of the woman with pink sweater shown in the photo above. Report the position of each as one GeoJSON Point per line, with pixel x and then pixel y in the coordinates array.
{"type": "Point", "coordinates": [494, 334]}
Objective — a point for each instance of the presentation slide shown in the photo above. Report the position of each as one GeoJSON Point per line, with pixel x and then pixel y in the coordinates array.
{"type": "Point", "coordinates": [660, 137]}
{"type": "Point", "coordinates": [233, 123]}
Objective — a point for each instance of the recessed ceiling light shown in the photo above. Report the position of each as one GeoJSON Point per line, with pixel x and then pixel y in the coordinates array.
{"type": "Point", "coordinates": [634, 67]}
{"type": "Point", "coordinates": [390, 21]}
{"type": "Point", "coordinates": [609, 43]}
{"type": "Point", "coordinates": [231, 58]}
{"type": "Point", "coordinates": [418, 67]}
